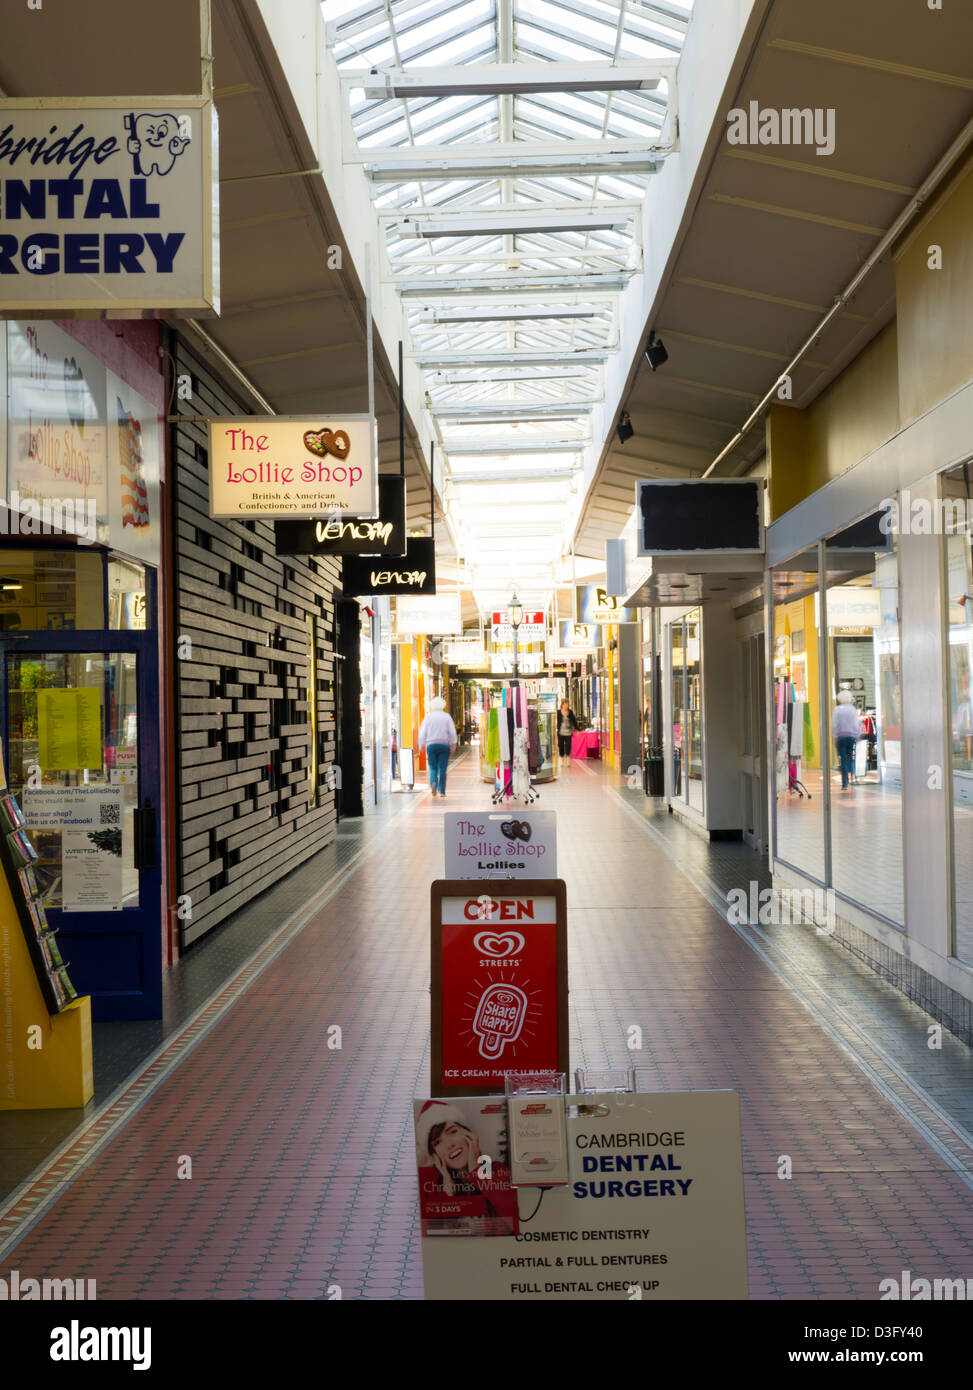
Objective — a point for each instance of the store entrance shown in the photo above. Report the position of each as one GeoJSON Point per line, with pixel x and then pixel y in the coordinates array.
{"type": "Point", "coordinates": [81, 728]}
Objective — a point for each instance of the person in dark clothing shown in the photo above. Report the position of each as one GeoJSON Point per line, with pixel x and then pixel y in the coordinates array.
{"type": "Point", "coordinates": [566, 726]}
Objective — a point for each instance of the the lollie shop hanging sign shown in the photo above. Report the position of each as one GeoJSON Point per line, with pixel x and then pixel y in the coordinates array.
{"type": "Point", "coordinates": [293, 466]}
{"type": "Point", "coordinates": [108, 203]}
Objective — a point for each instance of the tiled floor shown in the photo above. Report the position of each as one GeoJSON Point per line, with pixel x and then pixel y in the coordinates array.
{"type": "Point", "coordinates": [301, 1155]}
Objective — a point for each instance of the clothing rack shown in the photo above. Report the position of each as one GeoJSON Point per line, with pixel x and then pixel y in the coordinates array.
{"type": "Point", "coordinates": [518, 706]}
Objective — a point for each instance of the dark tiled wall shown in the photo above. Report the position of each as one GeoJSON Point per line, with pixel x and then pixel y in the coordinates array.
{"type": "Point", "coordinates": [243, 736]}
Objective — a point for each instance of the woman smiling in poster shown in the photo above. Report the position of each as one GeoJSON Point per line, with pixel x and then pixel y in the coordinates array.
{"type": "Point", "coordinates": [454, 1199]}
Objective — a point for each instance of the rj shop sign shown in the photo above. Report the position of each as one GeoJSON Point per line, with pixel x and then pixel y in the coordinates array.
{"type": "Point", "coordinates": [414, 573]}
{"type": "Point", "coordinates": [110, 205]}
{"type": "Point", "coordinates": [341, 535]}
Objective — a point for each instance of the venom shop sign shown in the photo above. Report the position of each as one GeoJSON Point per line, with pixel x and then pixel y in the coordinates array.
{"type": "Point", "coordinates": [414, 573]}
{"type": "Point", "coordinates": [108, 204]}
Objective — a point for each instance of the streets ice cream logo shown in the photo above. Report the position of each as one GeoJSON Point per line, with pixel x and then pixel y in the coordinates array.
{"type": "Point", "coordinates": [155, 142]}
{"type": "Point", "coordinates": [498, 950]}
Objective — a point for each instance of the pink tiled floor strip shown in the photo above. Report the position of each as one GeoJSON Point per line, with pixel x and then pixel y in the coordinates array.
{"type": "Point", "coordinates": [302, 1156]}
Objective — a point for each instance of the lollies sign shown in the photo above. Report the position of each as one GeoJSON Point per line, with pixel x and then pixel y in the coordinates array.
{"type": "Point", "coordinates": [281, 466]}
{"type": "Point", "coordinates": [499, 994]}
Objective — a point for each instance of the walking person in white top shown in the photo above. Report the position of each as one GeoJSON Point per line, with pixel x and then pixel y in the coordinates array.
{"type": "Point", "coordinates": [846, 729]}
{"type": "Point", "coordinates": [437, 734]}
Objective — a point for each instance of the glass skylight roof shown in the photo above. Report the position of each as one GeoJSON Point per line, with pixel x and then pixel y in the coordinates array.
{"type": "Point", "coordinates": [523, 171]}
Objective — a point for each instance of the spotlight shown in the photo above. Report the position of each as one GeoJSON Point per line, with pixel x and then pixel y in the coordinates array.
{"type": "Point", "coordinates": [624, 427]}
{"type": "Point", "coordinates": [655, 353]}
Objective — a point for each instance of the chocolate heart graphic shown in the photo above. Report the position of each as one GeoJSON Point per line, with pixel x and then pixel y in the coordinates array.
{"type": "Point", "coordinates": [74, 393]}
{"type": "Point", "coordinates": [515, 829]}
{"type": "Point", "coordinates": [324, 441]}
{"type": "Point", "coordinates": [499, 946]}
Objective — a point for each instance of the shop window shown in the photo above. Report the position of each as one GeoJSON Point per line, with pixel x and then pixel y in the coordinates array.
{"type": "Point", "coordinates": [797, 768]}
{"type": "Point", "coordinates": [959, 627]}
{"type": "Point", "coordinates": [687, 710]}
{"type": "Point", "coordinates": [127, 603]}
{"type": "Point", "coordinates": [865, 738]}
{"type": "Point", "coordinates": [52, 591]}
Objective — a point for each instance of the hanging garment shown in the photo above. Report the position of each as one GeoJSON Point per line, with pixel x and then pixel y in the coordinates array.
{"type": "Point", "coordinates": [535, 758]}
{"type": "Point", "coordinates": [808, 734]}
{"type": "Point", "coordinates": [521, 780]}
{"type": "Point", "coordinates": [493, 737]}
{"type": "Point", "coordinates": [780, 759]}
{"type": "Point", "coordinates": [522, 707]}
{"type": "Point", "coordinates": [797, 730]}
{"type": "Point", "coordinates": [781, 701]}
{"type": "Point", "coordinates": [505, 748]}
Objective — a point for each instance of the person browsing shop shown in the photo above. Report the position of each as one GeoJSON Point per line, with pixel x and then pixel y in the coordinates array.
{"type": "Point", "coordinates": [437, 735]}
{"type": "Point", "coordinates": [566, 727]}
{"type": "Point", "coordinates": [846, 729]}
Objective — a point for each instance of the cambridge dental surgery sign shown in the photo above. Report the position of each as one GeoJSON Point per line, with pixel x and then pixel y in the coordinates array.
{"type": "Point", "coordinates": [108, 204]}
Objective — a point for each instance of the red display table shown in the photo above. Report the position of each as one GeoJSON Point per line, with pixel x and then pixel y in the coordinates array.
{"type": "Point", "coordinates": [586, 745]}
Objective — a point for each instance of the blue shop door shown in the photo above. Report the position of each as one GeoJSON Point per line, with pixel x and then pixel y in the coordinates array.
{"type": "Point", "coordinates": [106, 718]}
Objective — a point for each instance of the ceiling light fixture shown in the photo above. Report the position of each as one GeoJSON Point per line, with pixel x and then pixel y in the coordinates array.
{"type": "Point", "coordinates": [624, 428]}
{"type": "Point", "coordinates": [655, 353]}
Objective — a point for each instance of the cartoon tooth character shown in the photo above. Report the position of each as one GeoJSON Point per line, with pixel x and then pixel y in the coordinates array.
{"type": "Point", "coordinates": [154, 142]}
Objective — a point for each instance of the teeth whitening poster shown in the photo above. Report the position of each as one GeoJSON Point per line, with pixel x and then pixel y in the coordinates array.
{"type": "Point", "coordinates": [463, 1163]}
{"type": "Point", "coordinates": [653, 1210]}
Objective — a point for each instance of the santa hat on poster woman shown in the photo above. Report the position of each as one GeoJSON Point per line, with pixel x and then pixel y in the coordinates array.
{"type": "Point", "coordinates": [433, 1113]}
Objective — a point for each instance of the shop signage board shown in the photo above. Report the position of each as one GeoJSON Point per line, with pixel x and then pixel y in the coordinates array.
{"type": "Point", "coordinates": [293, 466]}
{"type": "Point", "coordinates": [851, 605]}
{"type": "Point", "coordinates": [414, 573]}
{"type": "Point", "coordinates": [653, 1209]}
{"type": "Point", "coordinates": [699, 515]}
{"type": "Point", "coordinates": [108, 203]}
{"type": "Point", "coordinates": [578, 637]}
{"type": "Point", "coordinates": [480, 842]}
{"type": "Point", "coordinates": [596, 605]}
{"type": "Point", "coordinates": [439, 614]}
{"type": "Point", "coordinates": [342, 535]}
{"type": "Point", "coordinates": [499, 981]}
{"type": "Point", "coordinates": [466, 651]}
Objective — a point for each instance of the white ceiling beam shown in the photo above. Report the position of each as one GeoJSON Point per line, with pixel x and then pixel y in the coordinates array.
{"type": "Point", "coordinates": [491, 314]}
{"type": "Point", "coordinates": [521, 284]}
{"type": "Point", "coordinates": [509, 79]}
{"type": "Point", "coordinates": [572, 165]}
{"type": "Point", "coordinates": [511, 410]}
{"type": "Point", "coordinates": [550, 475]}
{"type": "Point", "coordinates": [435, 222]}
{"type": "Point", "coordinates": [471, 358]}
{"type": "Point", "coordinates": [540, 446]}
{"type": "Point", "coordinates": [505, 153]}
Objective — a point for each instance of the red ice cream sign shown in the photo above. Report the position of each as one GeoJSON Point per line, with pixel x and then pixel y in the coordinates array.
{"type": "Point", "coordinates": [499, 988]}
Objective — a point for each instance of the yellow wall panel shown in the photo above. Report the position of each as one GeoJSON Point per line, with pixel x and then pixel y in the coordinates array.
{"type": "Point", "coordinates": [935, 338]}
